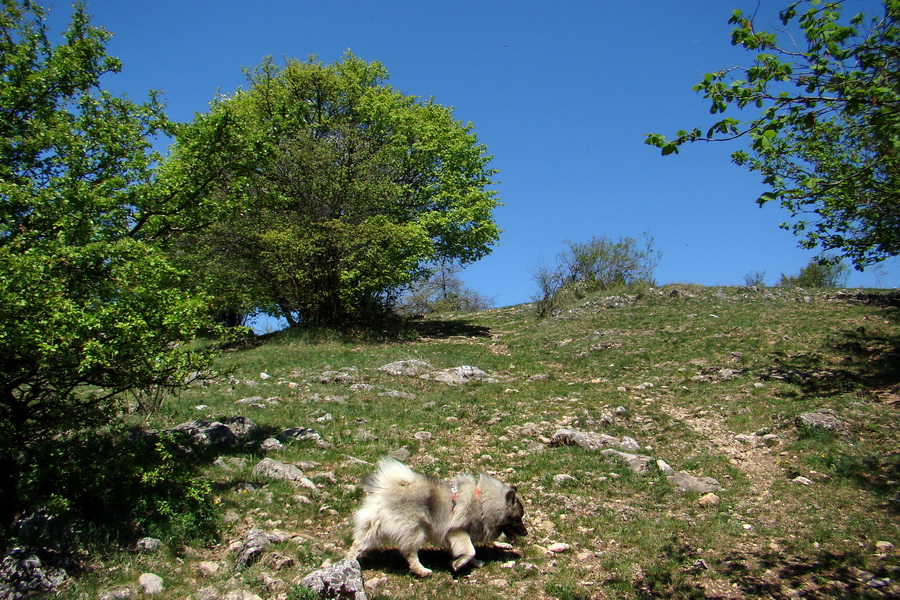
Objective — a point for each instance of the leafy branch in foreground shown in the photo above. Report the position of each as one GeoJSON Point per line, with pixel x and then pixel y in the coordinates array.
{"type": "Point", "coordinates": [827, 136]}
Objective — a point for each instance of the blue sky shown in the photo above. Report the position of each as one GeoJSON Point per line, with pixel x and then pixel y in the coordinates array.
{"type": "Point", "coordinates": [561, 93]}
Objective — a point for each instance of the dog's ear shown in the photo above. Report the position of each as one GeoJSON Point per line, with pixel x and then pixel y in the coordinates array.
{"type": "Point", "coordinates": [511, 496]}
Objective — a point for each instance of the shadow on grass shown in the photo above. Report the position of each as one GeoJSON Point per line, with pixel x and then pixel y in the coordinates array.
{"type": "Point", "coordinates": [447, 329]}
{"type": "Point", "coordinates": [827, 575]}
{"type": "Point", "coordinates": [388, 330]}
{"type": "Point", "coordinates": [863, 358]}
{"type": "Point", "coordinates": [391, 561]}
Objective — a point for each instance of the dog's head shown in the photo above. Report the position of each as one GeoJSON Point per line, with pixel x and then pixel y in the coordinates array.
{"type": "Point", "coordinates": [512, 524]}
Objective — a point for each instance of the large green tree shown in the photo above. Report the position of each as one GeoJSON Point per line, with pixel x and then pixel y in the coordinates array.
{"type": "Point", "coordinates": [90, 306]}
{"type": "Point", "coordinates": [339, 190]}
{"type": "Point", "coordinates": [826, 139]}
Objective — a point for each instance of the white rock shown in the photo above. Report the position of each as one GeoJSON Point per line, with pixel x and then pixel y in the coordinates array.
{"type": "Point", "coordinates": [802, 480]}
{"type": "Point", "coordinates": [708, 500]}
{"type": "Point", "coordinates": [629, 444]}
{"type": "Point", "coordinates": [558, 547]}
{"type": "Point", "coordinates": [563, 478]}
{"type": "Point", "coordinates": [664, 467]}
{"type": "Point", "coordinates": [151, 583]}
{"type": "Point", "coordinates": [265, 376]}
{"type": "Point", "coordinates": [208, 568]}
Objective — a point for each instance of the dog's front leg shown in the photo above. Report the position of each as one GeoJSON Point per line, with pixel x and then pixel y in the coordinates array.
{"type": "Point", "coordinates": [462, 548]}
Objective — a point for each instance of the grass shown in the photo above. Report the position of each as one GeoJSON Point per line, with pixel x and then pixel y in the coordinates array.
{"type": "Point", "coordinates": [696, 375]}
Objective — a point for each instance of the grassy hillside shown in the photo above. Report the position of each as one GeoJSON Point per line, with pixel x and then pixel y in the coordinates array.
{"type": "Point", "coordinates": [710, 380]}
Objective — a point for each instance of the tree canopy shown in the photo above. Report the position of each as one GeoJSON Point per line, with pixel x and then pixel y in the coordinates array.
{"type": "Point", "coordinates": [338, 191]}
{"type": "Point", "coordinates": [826, 139]}
{"type": "Point", "coordinates": [90, 306]}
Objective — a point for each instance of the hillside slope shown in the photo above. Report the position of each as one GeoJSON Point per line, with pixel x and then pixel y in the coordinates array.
{"type": "Point", "coordinates": [781, 406]}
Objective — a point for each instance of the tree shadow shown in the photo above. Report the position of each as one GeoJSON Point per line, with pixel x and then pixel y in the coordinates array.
{"type": "Point", "coordinates": [829, 575]}
{"type": "Point", "coordinates": [865, 357]}
{"type": "Point", "coordinates": [448, 329]}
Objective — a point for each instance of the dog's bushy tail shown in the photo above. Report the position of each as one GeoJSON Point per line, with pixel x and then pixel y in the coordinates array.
{"type": "Point", "coordinates": [390, 472]}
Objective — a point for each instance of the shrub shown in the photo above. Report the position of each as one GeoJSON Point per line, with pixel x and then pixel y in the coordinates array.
{"type": "Point", "coordinates": [822, 273]}
{"type": "Point", "coordinates": [599, 264]}
{"type": "Point", "coordinates": [116, 486]}
{"type": "Point", "coordinates": [755, 279]}
{"type": "Point", "coordinates": [442, 292]}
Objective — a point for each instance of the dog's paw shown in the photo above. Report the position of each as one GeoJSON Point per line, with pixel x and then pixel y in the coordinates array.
{"type": "Point", "coordinates": [463, 561]}
{"type": "Point", "coordinates": [422, 572]}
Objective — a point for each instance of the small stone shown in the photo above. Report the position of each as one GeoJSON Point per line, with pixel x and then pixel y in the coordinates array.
{"type": "Point", "coordinates": [498, 583]}
{"type": "Point", "coordinates": [563, 478]}
{"type": "Point", "coordinates": [208, 568]}
{"type": "Point", "coordinates": [252, 401]}
{"type": "Point", "coordinates": [376, 582]}
{"type": "Point", "coordinates": [270, 444]}
{"type": "Point", "coordinates": [802, 480]}
{"type": "Point", "coordinates": [401, 454]}
{"type": "Point", "coordinates": [685, 482]}
{"type": "Point", "coordinates": [265, 376]}
{"type": "Point", "coordinates": [883, 547]}
{"type": "Point", "coordinates": [148, 544]}
{"type": "Point", "coordinates": [151, 583]}
{"type": "Point", "coordinates": [559, 547]}
{"type": "Point", "coordinates": [423, 435]}
{"type": "Point", "coordinates": [240, 595]}
{"type": "Point", "coordinates": [119, 593]}
{"type": "Point", "coordinates": [770, 440]}
{"type": "Point", "coordinates": [709, 500]}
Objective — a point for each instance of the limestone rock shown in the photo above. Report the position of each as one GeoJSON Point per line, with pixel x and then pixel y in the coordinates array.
{"type": "Point", "coordinates": [27, 571]}
{"type": "Point", "coordinates": [269, 467]}
{"type": "Point", "coordinates": [302, 434]}
{"type": "Point", "coordinates": [251, 548]}
{"type": "Point", "coordinates": [637, 463]}
{"type": "Point", "coordinates": [709, 500]}
{"type": "Point", "coordinates": [824, 418]}
{"type": "Point", "coordinates": [342, 580]}
{"type": "Point", "coordinates": [590, 441]}
{"type": "Point", "coordinates": [685, 482]}
{"type": "Point", "coordinates": [151, 583]}
{"type": "Point", "coordinates": [460, 375]}
{"type": "Point", "coordinates": [409, 368]}
{"type": "Point", "coordinates": [148, 544]}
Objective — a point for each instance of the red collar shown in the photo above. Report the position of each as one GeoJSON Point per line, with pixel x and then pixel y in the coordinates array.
{"type": "Point", "coordinates": [453, 497]}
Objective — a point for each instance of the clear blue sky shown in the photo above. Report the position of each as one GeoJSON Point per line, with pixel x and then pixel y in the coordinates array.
{"type": "Point", "coordinates": [561, 93]}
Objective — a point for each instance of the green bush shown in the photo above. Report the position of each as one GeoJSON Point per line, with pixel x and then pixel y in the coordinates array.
{"type": "Point", "coordinates": [824, 273]}
{"type": "Point", "coordinates": [599, 264]}
{"type": "Point", "coordinates": [117, 487]}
